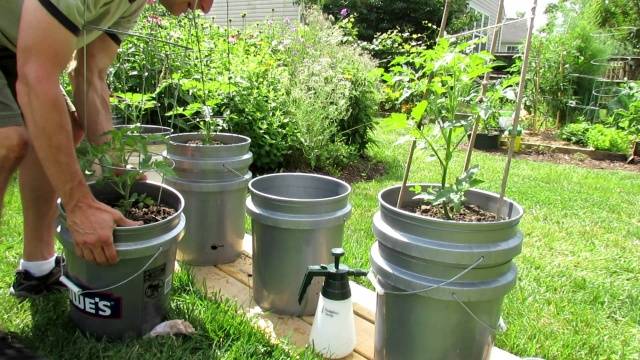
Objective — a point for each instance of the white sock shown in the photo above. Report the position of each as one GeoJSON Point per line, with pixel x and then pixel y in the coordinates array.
{"type": "Point", "coordinates": [38, 268]}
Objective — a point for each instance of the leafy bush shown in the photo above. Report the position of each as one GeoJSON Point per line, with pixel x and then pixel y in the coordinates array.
{"type": "Point", "coordinates": [600, 137]}
{"type": "Point", "coordinates": [567, 46]}
{"type": "Point", "coordinates": [292, 89]}
{"type": "Point", "coordinates": [576, 133]}
{"type": "Point", "coordinates": [377, 17]}
{"type": "Point", "coordinates": [626, 110]}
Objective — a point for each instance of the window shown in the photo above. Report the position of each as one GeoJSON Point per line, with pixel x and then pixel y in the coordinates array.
{"type": "Point", "coordinates": [482, 21]}
{"type": "Point", "coordinates": [512, 49]}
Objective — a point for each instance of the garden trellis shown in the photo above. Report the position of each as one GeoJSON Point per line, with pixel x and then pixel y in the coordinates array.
{"type": "Point", "coordinates": [519, 101]}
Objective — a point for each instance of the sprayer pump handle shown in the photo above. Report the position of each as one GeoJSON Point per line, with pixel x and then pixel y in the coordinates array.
{"type": "Point", "coordinates": [312, 271]}
{"type": "Point", "coordinates": [337, 253]}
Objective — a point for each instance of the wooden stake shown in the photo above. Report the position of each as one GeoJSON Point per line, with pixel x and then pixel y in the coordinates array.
{"type": "Point", "coordinates": [485, 85]}
{"type": "Point", "coordinates": [516, 116]}
{"type": "Point", "coordinates": [405, 178]}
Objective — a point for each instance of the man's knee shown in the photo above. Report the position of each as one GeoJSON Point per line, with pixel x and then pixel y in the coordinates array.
{"type": "Point", "coordinates": [14, 145]}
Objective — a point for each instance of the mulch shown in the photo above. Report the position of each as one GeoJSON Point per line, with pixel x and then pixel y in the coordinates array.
{"type": "Point", "coordinates": [469, 213]}
{"type": "Point", "coordinates": [578, 160]}
{"type": "Point", "coordinates": [149, 214]}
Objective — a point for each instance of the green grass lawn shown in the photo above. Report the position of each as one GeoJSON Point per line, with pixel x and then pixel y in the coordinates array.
{"type": "Point", "coordinates": [578, 290]}
{"type": "Point", "coordinates": [223, 331]}
{"type": "Point", "coordinates": [577, 297]}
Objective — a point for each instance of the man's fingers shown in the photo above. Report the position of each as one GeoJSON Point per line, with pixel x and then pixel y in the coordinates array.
{"type": "Point", "coordinates": [110, 253]}
{"type": "Point", "coordinates": [124, 222]}
{"type": "Point", "coordinates": [121, 220]}
{"type": "Point", "coordinates": [99, 255]}
{"type": "Point", "coordinates": [87, 254]}
{"type": "Point", "coordinates": [78, 250]}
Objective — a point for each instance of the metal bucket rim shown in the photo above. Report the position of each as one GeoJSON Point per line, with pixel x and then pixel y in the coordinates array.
{"type": "Point", "coordinates": [299, 200]}
{"type": "Point", "coordinates": [166, 131]}
{"type": "Point", "coordinates": [172, 137]}
{"type": "Point", "coordinates": [123, 229]}
{"type": "Point", "coordinates": [518, 209]}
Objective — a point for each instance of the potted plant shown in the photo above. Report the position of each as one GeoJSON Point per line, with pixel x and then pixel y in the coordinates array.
{"type": "Point", "coordinates": [442, 260]}
{"type": "Point", "coordinates": [212, 173]}
{"type": "Point", "coordinates": [129, 298]}
{"type": "Point", "coordinates": [491, 110]}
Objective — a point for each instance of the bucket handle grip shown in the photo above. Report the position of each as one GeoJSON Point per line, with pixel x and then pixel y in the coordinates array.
{"type": "Point", "coordinates": [381, 291]}
{"type": "Point", "coordinates": [76, 289]}
{"type": "Point", "coordinates": [230, 169]}
{"type": "Point", "coordinates": [476, 318]}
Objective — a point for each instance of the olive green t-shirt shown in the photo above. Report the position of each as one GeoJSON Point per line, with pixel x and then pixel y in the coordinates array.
{"type": "Point", "coordinates": [75, 15]}
{"type": "Point", "coordinates": [86, 19]}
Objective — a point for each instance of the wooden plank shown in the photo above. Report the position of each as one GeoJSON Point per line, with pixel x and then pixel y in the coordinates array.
{"type": "Point", "coordinates": [295, 330]}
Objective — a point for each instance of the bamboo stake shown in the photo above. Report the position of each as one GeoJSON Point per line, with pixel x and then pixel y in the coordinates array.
{"type": "Point", "coordinates": [405, 178]}
{"type": "Point", "coordinates": [516, 116]}
{"type": "Point", "coordinates": [485, 85]}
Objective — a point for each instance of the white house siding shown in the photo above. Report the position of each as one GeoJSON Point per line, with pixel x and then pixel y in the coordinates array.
{"type": "Point", "coordinates": [255, 10]}
{"type": "Point", "coordinates": [489, 8]}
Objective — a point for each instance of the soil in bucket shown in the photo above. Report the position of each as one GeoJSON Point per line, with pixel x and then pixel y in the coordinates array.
{"type": "Point", "coordinates": [468, 213]}
{"type": "Point", "coordinates": [129, 298]}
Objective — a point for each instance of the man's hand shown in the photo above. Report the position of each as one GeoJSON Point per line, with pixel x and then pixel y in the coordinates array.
{"type": "Point", "coordinates": [91, 224]}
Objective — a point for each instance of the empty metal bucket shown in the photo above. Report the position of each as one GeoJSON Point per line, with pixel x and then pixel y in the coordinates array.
{"type": "Point", "coordinates": [213, 180]}
{"type": "Point", "coordinates": [441, 283]}
{"type": "Point", "coordinates": [296, 220]}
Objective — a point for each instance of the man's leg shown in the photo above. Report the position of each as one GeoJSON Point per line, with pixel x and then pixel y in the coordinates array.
{"type": "Point", "coordinates": [13, 149]}
{"type": "Point", "coordinates": [38, 208]}
{"type": "Point", "coordinates": [39, 205]}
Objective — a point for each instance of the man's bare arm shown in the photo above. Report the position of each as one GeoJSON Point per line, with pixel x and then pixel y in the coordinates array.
{"type": "Point", "coordinates": [91, 93]}
{"type": "Point", "coordinates": [39, 64]}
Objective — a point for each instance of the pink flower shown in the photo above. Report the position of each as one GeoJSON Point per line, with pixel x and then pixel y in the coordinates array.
{"type": "Point", "coordinates": [150, 2]}
{"type": "Point", "coordinates": [154, 19]}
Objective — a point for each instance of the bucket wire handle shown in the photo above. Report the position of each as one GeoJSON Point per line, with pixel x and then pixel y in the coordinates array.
{"type": "Point", "coordinates": [73, 287]}
{"type": "Point", "coordinates": [382, 291]}
{"type": "Point", "coordinates": [232, 170]}
{"type": "Point", "coordinates": [492, 329]}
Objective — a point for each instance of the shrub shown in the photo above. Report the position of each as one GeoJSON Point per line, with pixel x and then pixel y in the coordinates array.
{"type": "Point", "coordinates": [608, 139]}
{"type": "Point", "coordinates": [373, 17]}
{"type": "Point", "coordinates": [292, 89]}
{"type": "Point", "coordinates": [576, 133]}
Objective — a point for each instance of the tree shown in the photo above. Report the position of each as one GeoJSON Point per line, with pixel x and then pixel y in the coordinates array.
{"type": "Point", "coordinates": [413, 16]}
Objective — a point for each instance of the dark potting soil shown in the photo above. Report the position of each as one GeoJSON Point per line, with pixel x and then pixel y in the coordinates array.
{"type": "Point", "coordinates": [201, 143]}
{"type": "Point", "coordinates": [150, 214]}
{"type": "Point", "coordinates": [469, 213]}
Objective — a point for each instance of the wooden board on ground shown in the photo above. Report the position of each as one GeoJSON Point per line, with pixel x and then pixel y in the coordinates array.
{"type": "Point", "coordinates": [234, 281]}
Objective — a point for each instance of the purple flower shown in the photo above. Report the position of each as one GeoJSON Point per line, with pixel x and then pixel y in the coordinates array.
{"type": "Point", "coordinates": [344, 12]}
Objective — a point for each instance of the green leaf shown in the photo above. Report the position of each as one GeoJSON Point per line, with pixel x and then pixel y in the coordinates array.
{"type": "Point", "coordinates": [418, 111]}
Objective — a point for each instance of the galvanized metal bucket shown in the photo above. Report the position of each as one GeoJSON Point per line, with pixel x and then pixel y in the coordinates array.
{"type": "Point", "coordinates": [130, 298]}
{"type": "Point", "coordinates": [441, 283]}
{"type": "Point", "coordinates": [296, 220]}
{"type": "Point", "coordinates": [146, 130]}
{"type": "Point", "coordinates": [213, 180]}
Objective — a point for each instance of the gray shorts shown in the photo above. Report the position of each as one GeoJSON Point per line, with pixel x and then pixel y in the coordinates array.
{"type": "Point", "coordinates": [10, 114]}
